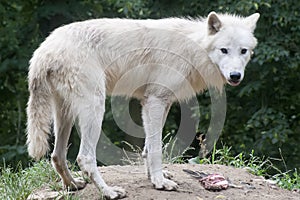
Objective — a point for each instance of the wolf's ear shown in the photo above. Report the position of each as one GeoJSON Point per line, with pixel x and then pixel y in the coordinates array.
{"type": "Point", "coordinates": [252, 20]}
{"type": "Point", "coordinates": [214, 23]}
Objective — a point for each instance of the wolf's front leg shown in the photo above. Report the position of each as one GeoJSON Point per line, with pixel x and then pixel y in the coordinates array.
{"type": "Point", "coordinates": [153, 113]}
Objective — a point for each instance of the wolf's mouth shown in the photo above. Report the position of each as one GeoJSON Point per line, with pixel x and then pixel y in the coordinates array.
{"type": "Point", "coordinates": [233, 82]}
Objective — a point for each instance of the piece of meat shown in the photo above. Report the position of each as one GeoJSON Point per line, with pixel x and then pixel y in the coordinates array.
{"type": "Point", "coordinates": [213, 182]}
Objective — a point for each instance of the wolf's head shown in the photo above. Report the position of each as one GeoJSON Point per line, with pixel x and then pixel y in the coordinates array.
{"type": "Point", "coordinates": [231, 44]}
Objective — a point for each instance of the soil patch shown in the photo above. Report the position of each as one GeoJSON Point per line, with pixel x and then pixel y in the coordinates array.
{"type": "Point", "coordinates": [138, 187]}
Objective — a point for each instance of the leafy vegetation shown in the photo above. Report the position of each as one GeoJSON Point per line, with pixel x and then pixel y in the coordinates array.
{"type": "Point", "coordinates": [262, 114]}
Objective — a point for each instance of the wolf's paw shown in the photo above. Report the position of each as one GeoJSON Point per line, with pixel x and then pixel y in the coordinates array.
{"type": "Point", "coordinates": [114, 192]}
{"type": "Point", "coordinates": [164, 184]}
{"type": "Point", "coordinates": [76, 184]}
{"type": "Point", "coordinates": [79, 183]}
{"type": "Point", "coordinates": [167, 174]}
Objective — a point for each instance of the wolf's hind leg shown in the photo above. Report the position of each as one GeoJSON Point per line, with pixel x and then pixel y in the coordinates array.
{"type": "Point", "coordinates": [62, 128]}
{"type": "Point", "coordinates": [90, 115]}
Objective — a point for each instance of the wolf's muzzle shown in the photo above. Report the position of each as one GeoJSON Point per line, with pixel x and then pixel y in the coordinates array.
{"type": "Point", "coordinates": [235, 78]}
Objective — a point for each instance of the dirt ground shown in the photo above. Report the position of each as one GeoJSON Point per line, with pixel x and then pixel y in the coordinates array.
{"type": "Point", "coordinates": [138, 187]}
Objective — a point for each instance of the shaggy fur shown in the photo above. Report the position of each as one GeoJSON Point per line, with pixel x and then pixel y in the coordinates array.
{"type": "Point", "coordinates": [156, 61]}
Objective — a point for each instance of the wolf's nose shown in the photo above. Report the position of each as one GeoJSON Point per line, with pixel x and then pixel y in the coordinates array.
{"type": "Point", "coordinates": [235, 76]}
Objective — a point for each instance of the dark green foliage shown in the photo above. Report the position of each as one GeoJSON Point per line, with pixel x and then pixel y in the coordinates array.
{"type": "Point", "coordinates": [262, 113]}
{"type": "Point", "coordinates": [266, 115]}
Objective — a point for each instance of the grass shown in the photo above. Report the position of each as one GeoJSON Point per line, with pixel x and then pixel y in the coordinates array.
{"type": "Point", "coordinates": [288, 181]}
{"type": "Point", "coordinates": [255, 165]}
{"type": "Point", "coordinates": [19, 183]}
{"type": "Point", "coordinates": [170, 153]}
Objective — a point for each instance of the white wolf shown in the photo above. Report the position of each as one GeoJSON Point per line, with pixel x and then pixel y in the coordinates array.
{"type": "Point", "coordinates": [156, 61]}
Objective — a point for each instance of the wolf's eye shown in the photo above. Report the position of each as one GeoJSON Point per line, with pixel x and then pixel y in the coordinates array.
{"type": "Point", "coordinates": [244, 51]}
{"type": "Point", "coordinates": [223, 50]}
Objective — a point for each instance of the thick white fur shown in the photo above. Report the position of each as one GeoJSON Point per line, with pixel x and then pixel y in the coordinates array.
{"type": "Point", "coordinates": [156, 61]}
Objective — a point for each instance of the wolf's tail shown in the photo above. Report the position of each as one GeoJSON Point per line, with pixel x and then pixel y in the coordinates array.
{"type": "Point", "coordinates": [39, 114]}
